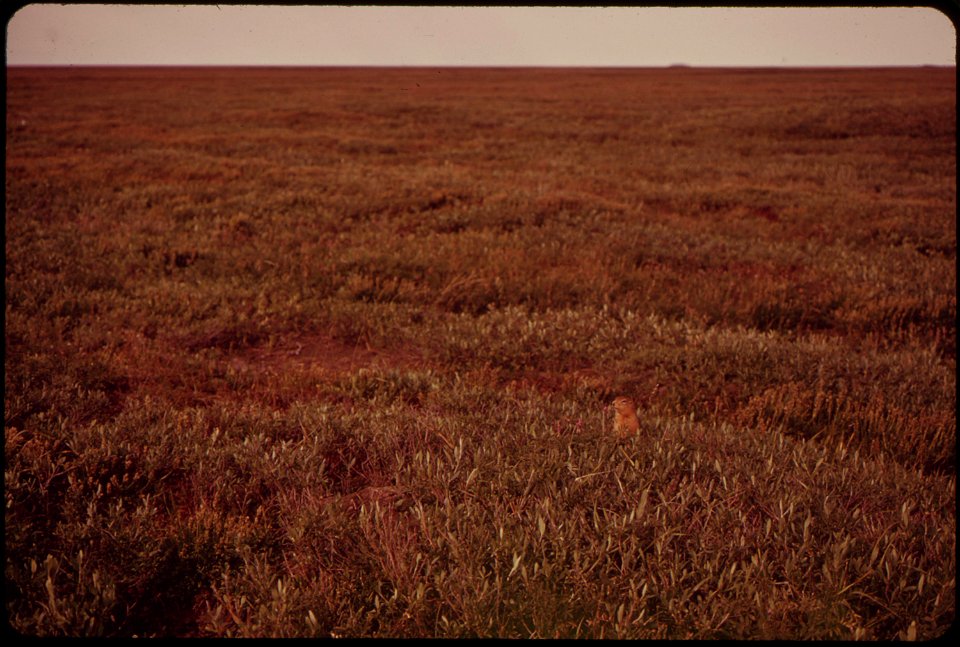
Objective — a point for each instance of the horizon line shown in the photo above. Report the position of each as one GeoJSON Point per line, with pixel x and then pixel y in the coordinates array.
{"type": "Point", "coordinates": [482, 66]}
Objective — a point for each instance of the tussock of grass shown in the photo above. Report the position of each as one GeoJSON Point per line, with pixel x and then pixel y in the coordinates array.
{"type": "Point", "coordinates": [340, 365]}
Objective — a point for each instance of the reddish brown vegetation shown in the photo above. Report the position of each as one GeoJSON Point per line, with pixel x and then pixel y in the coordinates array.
{"type": "Point", "coordinates": [327, 351]}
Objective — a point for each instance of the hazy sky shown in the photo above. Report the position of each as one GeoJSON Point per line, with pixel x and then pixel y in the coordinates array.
{"type": "Point", "coordinates": [332, 35]}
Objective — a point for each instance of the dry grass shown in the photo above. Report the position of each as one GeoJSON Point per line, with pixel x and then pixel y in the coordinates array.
{"type": "Point", "coordinates": [295, 352]}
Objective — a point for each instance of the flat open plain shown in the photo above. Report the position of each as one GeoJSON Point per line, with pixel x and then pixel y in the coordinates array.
{"type": "Point", "coordinates": [330, 352]}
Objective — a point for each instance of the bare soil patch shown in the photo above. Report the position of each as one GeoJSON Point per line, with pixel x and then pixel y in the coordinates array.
{"type": "Point", "coordinates": [324, 356]}
{"type": "Point", "coordinates": [275, 372]}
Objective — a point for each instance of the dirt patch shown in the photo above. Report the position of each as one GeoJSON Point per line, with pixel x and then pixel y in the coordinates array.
{"type": "Point", "coordinates": [274, 372]}
{"type": "Point", "coordinates": [322, 354]}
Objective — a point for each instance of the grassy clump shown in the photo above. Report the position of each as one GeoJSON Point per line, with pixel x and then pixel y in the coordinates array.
{"type": "Point", "coordinates": [337, 364]}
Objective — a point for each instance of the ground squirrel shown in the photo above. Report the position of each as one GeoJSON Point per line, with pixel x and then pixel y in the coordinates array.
{"type": "Point", "coordinates": [625, 420]}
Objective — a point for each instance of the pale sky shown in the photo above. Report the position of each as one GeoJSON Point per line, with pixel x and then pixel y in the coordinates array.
{"type": "Point", "coordinates": [55, 34]}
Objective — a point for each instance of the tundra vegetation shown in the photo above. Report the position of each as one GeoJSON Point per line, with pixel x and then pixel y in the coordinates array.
{"type": "Point", "coordinates": [330, 352]}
